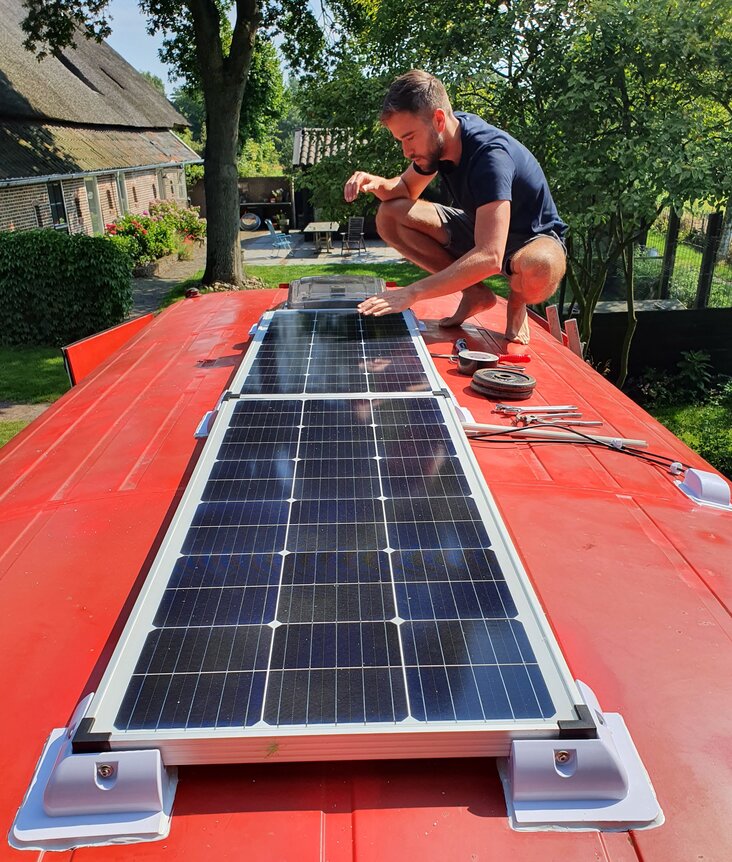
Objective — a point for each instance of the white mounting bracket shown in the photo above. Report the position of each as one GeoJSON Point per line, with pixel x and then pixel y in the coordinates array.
{"type": "Point", "coordinates": [706, 489]}
{"type": "Point", "coordinates": [81, 800]}
{"type": "Point", "coordinates": [580, 783]}
{"type": "Point", "coordinates": [204, 426]}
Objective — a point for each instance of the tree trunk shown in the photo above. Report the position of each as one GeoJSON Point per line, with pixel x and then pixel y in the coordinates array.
{"type": "Point", "coordinates": [629, 271]}
{"type": "Point", "coordinates": [223, 252]}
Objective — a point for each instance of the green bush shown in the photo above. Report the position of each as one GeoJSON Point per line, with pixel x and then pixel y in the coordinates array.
{"type": "Point", "coordinates": [57, 288]}
{"type": "Point", "coordinates": [184, 220]}
{"type": "Point", "coordinates": [150, 236]}
{"type": "Point", "coordinates": [145, 239]}
{"type": "Point", "coordinates": [706, 429]}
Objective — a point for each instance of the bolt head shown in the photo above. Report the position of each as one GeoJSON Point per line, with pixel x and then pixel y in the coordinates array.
{"type": "Point", "coordinates": [105, 770]}
{"type": "Point", "coordinates": [561, 756]}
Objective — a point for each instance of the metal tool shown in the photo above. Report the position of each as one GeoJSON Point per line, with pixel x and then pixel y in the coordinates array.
{"type": "Point", "coordinates": [534, 420]}
{"type": "Point", "coordinates": [484, 359]}
{"type": "Point", "coordinates": [537, 408]}
{"type": "Point", "coordinates": [518, 418]}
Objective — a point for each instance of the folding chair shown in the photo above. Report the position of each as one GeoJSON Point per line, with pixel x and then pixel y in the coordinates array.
{"type": "Point", "coordinates": [353, 235]}
{"type": "Point", "coordinates": [280, 240]}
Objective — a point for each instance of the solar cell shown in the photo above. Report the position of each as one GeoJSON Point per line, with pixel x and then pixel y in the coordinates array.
{"type": "Point", "coordinates": [376, 606]}
{"type": "Point", "coordinates": [333, 352]}
{"type": "Point", "coordinates": [333, 564]}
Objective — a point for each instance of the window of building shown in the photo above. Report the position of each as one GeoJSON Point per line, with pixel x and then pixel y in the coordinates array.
{"type": "Point", "coordinates": [77, 205]}
{"type": "Point", "coordinates": [110, 202]}
{"type": "Point", "coordinates": [58, 207]}
{"type": "Point", "coordinates": [172, 189]}
{"type": "Point", "coordinates": [155, 192]}
{"type": "Point", "coordinates": [122, 194]}
{"type": "Point", "coordinates": [134, 194]}
{"type": "Point", "coordinates": [39, 217]}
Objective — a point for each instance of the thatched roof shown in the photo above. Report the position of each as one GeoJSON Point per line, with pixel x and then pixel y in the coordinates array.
{"type": "Point", "coordinates": [90, 85]}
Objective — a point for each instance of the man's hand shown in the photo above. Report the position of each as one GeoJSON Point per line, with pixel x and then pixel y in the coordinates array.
{"type": "Point", "coordinates": [361, 182]}
{"type": "Point", "coordinates": [390, 302]}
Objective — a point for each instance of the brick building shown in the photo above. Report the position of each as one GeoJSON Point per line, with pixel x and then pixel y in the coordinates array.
{"type": "Point", "coordinates": [84, 138]}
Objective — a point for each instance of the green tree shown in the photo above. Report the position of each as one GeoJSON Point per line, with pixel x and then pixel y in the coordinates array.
{"type": "Point", "coordinates": [626, 104]}
{"type": "Point", "coordinates": [196, 41]}
{"type": "Point", "coordinates": [264, 102]}
{"type": "Point", "coordinates": [154, 81]}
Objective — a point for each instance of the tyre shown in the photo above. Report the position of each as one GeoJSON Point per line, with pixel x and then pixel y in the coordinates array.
{"type": "Point", "coordinates": [249, 221]}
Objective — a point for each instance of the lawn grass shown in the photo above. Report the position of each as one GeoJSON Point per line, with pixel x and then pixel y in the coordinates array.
{"type": "Point", "coordinates": [32, 375]}
{"type": "Point", "coordinates": [8, 430]}
{"type": "Point", "coordinates": [706, 428]}
{"type": "Point", "coordinates": [273, 276]}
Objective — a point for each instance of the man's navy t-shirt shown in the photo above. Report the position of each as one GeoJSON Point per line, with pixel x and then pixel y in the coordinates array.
{"type": "Point", "coordinates": [496, 167]}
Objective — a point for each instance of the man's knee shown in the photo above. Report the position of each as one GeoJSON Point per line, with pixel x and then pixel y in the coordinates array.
{"type": "Point", "coordinates": [539, 269]}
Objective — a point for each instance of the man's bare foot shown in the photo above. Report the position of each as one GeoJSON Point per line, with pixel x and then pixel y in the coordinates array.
{"type": "Point", "coordinates": [475, 298]}
{"type": "Point", "coordinates": [517, 322]}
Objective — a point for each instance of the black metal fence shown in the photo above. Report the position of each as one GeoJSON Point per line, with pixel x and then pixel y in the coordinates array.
{"type": "Point", "coordinates": [687, 257]}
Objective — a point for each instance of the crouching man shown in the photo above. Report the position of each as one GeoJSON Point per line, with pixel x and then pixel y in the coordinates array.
{"type": "Point", "coordinates": [504, 221]}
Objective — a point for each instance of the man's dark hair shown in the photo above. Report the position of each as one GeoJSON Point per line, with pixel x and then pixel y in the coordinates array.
{"type": "Point", "coordinates": [415, 92]}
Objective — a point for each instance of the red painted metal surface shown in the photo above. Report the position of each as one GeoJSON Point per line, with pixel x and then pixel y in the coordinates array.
{"type": "Point", "coordinates": [83, 356]}
{"type": "Point", "coordinates": [635, 580]}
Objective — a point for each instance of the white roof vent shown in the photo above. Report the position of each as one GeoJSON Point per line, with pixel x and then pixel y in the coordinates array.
{"type": "Point", "coordinates": [333, 291]}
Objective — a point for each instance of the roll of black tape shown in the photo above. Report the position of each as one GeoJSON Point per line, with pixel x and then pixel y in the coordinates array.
{"type": "Point", "coordinates": [470, 361]}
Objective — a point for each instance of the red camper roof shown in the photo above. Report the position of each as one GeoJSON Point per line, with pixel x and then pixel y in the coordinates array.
{"type": "Point", "coordinates": [635, 579]}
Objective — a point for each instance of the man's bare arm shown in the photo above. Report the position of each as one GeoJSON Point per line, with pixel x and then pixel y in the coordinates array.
{"type": "Point", "coordinates": [482, 261]}
{"type": "Point", "coordinates": [409, 185]}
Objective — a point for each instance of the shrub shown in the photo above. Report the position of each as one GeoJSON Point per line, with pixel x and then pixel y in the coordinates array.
{"type": "Point", "coordinates": [707, 430]}
{"type": "Point", "coordinates": [150, 236]}
{"type": "Point", "coordinates": [184, 220]}
{"type": "Point", "coordinates": [57, 288]}
{"type": "Point", "coordinates": [147, 239]}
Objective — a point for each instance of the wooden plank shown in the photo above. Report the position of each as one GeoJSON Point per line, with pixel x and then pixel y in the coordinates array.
{"type": "Point", "coordinates": [555, 325]}
{"type": "Point", "coordinates": [573, 336]}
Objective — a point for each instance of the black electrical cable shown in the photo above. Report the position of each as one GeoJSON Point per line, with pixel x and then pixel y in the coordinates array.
{"type": "Point", "coordinates": [650, 457]}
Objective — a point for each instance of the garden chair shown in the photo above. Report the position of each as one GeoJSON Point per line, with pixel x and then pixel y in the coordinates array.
{"type": "Point", "coordinates": [353, 235]}
{"type": "Point", "coordinates": [280, 240]}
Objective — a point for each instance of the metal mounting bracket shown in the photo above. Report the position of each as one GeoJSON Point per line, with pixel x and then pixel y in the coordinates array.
{"type": "Point", "coordinates": [580, 783]}
{"type": "Point", "coordinates": [80, 800]}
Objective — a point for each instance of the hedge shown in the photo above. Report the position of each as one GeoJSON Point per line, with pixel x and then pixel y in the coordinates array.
{"type": "Point", "coordinates": [56, 288]}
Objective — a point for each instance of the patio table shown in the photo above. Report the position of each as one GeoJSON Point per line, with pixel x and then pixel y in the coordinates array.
{"type": "Point", "coordinates": [323, 234]}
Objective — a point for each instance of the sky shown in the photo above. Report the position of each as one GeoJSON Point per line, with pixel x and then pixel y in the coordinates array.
{"type": "Point", "coordinates": [130, 39]}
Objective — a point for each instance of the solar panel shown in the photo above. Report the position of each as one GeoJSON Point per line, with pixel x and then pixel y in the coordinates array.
{"type": "Point", "coordinates": [332, 351]}
{"type": "Point", "coordinates": [337, 569]}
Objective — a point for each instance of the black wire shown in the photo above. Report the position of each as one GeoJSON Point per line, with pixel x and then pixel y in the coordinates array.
{"type": "Point", "coordinates": [650, 457]}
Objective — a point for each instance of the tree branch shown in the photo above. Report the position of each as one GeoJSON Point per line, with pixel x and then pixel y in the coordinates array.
{"type": "Point", "coordinates": [248, 18]}
{"type": "Point", "coordinates": [209, 50]}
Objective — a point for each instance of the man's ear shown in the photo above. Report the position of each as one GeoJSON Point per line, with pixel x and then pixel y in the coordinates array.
{"type": "Point", "coordinates": [439, 120]}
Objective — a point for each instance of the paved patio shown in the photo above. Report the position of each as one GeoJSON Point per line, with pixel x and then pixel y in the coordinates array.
{"type": "Point", "coordinates": [257, 248]}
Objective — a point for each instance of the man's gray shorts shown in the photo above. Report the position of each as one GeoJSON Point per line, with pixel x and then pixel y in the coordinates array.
{"type": "Point", "coordinates": [461, 236]}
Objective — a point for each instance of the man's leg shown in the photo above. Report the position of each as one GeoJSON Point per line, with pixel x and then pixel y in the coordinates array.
{"type": "Point", "coordinates": [415, 230]}
{"type": "Point", "coordinates": [536, 270]}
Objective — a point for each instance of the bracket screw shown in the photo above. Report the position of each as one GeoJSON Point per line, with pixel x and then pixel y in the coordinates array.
{"type": "Point", "coordinates": [105, 770]}
{"type": "Point", "coordinates": [561, 756]}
